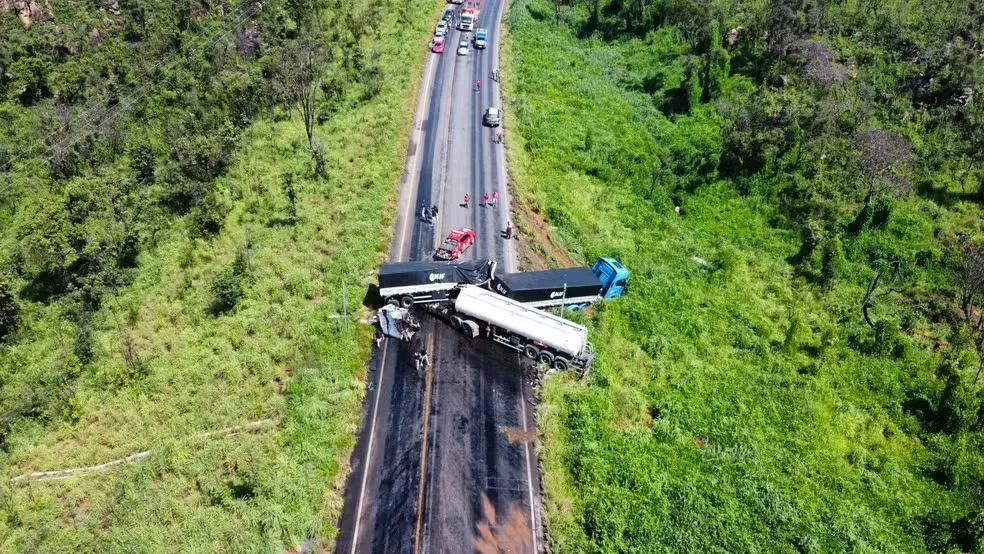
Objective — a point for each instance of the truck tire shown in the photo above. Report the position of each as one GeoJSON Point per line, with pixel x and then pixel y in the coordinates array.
{"type": "Point", "coordinates": [561, 363]}
{"type": "Point", "coordinates": [531, 351]}
{"type": "Point", "coordinates": [393, 301]}
{"type": "Point", "coordinates": [456, 323]}
{"type": "Point", "coordinates": [406, 302]}
{"type": "Point", "coordinates": [469, 328]}
{"type": "Point", "coordinates": [546, 358]}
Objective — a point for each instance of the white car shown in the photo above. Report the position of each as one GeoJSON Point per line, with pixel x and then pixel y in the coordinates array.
{"type": "Point", "coordinates": [493, 117]}
{"type": "Point", "coordinates": [441, 29]}
{"type": "Point", "coordinates": [463, 48]}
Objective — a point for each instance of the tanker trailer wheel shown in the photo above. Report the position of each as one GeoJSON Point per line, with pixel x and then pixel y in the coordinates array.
{"type": "Point", "coordinates": [561, 363]}
{"type": "Point", "coordinates": [546, 358]}
{"type": "Point", "coordinates": [456, 323]}
{"type": "Point", "coordinates": [531, 351]}
{"type": "Point", "coordinates": [469, 328]}
{"type": "Point", "coordinates": [407, 302]}
{"type": "Point", "coordinates": [393, 301]}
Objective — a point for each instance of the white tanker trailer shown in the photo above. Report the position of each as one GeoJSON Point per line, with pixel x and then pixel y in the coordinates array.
{"type": "Point", "coordinates": [539, 335]}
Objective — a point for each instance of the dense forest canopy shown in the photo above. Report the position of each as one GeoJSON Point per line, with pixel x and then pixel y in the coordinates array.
{"type": "Point", "coordinates": [798, 365]}
{"type": "Point", "coordinates": [186, 187]}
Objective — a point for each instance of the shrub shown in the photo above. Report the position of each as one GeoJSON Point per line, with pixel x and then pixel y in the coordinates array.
{"type": "Point", "coordinates": [319, 155]}
{"type": "Point", "coordinates": [833, 262]}
{"type": "Point", "coordinates": [208, 216]}
{"type": "Point", "coordinates": [229, 286]}
{"type": "Point", "coordinates": [9, 309]}
{"type": "Point", "coordinates": [143, 162]}
{"type": "Point", "coordinates": [881, 213]}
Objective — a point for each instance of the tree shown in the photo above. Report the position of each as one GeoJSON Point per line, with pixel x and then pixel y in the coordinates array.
{"type": "Point", "coordinates": [882, 151]}
{"type": "Point", "coordinates": [30, 78]}
{"type": "Point", "coordinates": [789, 20]}
{"type": "Point", "coordinates": [970, 283]}
{"type": "Point", "coordinates": [833, 263]}
{"type": "Point", "coordinates": [882, 156]}
{"type": "Point", "coordinates": [970, 280]}
{"type": "Point", "coordinates": [898, 275]}
{"type": "Point", "coordinates": [300, 63]}
{"type": "Point", "coordinates": [229, 286]}
{"type": "Point", "coordinates": [319, 154]}
{"type": "Point", "coordinates": [695, 19]}
{"type": "Point", "coordinates": [67, 144]}
{"type": "Point", "coordinates": [817, 62]}
{"type": "Point", "coordinates": [248, 42]}
{"type": "Point", "coordinates": [209, 216]}
{"type": "Point", "coordinates": [4, 168]}
{"type": "Point", "coordinates": [9, 310]}
{"type": "Point", "coordinates": [143, 162]}
{"type": "Point", "coordinates": [291, 193]}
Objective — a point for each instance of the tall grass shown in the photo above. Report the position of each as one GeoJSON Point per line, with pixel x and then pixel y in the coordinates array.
{"type": "Point", "coordinates": [730, 408]}
{"type": "Point", "coordinates": [283, 353]}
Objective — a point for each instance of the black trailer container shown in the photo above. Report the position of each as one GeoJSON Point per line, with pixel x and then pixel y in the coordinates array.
{"type": "Point", "coordinates": [416, 282]}
{"type": "Point", "coordinates": [547, 288]}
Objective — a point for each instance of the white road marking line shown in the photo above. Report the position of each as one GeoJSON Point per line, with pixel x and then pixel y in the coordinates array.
{"type": "Point", "coordinates": [526, 452]}
{"type": "Point", "coordinates": [372, 433]}
{"type": "Point", "coordinates": [411, 184]}
{"type": "Point", "coordinates": [449, 91]}
{"type": "Point", "coordinates": [511, 265]}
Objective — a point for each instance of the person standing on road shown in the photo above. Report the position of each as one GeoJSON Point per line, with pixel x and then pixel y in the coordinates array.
{"type": "Point", "coordinates": [498, 136]}
{"type": "Point", "coordinates": [485, 199]}
{"type": "Point", "coordinates": [495, 199]}
{"type": "Point", "coordinates": [478, 86]}
{"type": "Point", "coordinates": [509, 230]}
{"type": "Point", "coordinates": [467, 199]}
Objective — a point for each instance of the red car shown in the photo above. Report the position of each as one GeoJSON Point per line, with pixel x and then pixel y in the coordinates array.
{"type": "Point", "coordinates": [455, 245]}
{"type": "Point", "coordinates": [437, 45]}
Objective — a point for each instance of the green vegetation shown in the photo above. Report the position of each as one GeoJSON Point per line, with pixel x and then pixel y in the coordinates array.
{"type": "Point", "coordinates": [181, 218]}
{"type": "Point", "coordinates": [796, 366]}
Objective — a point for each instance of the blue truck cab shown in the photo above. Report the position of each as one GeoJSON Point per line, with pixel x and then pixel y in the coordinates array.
{"type": "Point", "coordinates": [614, 277]}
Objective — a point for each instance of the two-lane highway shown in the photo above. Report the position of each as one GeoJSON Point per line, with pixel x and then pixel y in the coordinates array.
{"type": "Point", "coordinates": [445, 460]}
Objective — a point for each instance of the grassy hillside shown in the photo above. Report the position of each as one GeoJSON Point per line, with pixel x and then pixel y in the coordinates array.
{"type": "Point", "coordinates": [162, 286]}
{"type": "Point", "coordinates": [740, 400]}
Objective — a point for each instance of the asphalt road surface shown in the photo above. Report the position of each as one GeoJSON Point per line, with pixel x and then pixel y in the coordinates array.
{"type": "Point", "coordinates": [445, 460]}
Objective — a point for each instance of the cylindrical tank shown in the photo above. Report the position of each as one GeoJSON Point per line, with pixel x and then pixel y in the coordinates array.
{"type": "Point", "coordinates": [560, 334]}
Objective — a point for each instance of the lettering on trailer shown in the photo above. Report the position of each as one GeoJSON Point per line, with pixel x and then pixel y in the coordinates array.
{"type": "Point", "coordinates": [502, 290]}
{"type": "Point", "coordinates": [556, 294]}
{"type": "Point", "coordinates": [436, 277]}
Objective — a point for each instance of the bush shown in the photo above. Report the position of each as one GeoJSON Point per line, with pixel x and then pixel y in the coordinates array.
{"type": "Point", "coordinates": [143, 162]}
{"type": "Point", "coordinates": [208, 216]}
{"type": "Point", "coordinates": [9, 310]}
{"type": "Point", "coordinates": [229, 286]}
{"type": "Point", "coordinates": [833, 263]}
{"type": "Point", "coordinates": [881, 213]}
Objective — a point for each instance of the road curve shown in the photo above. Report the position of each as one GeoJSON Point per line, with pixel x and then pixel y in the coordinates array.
{"type": "Point", "coordinates": [444, 460]}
